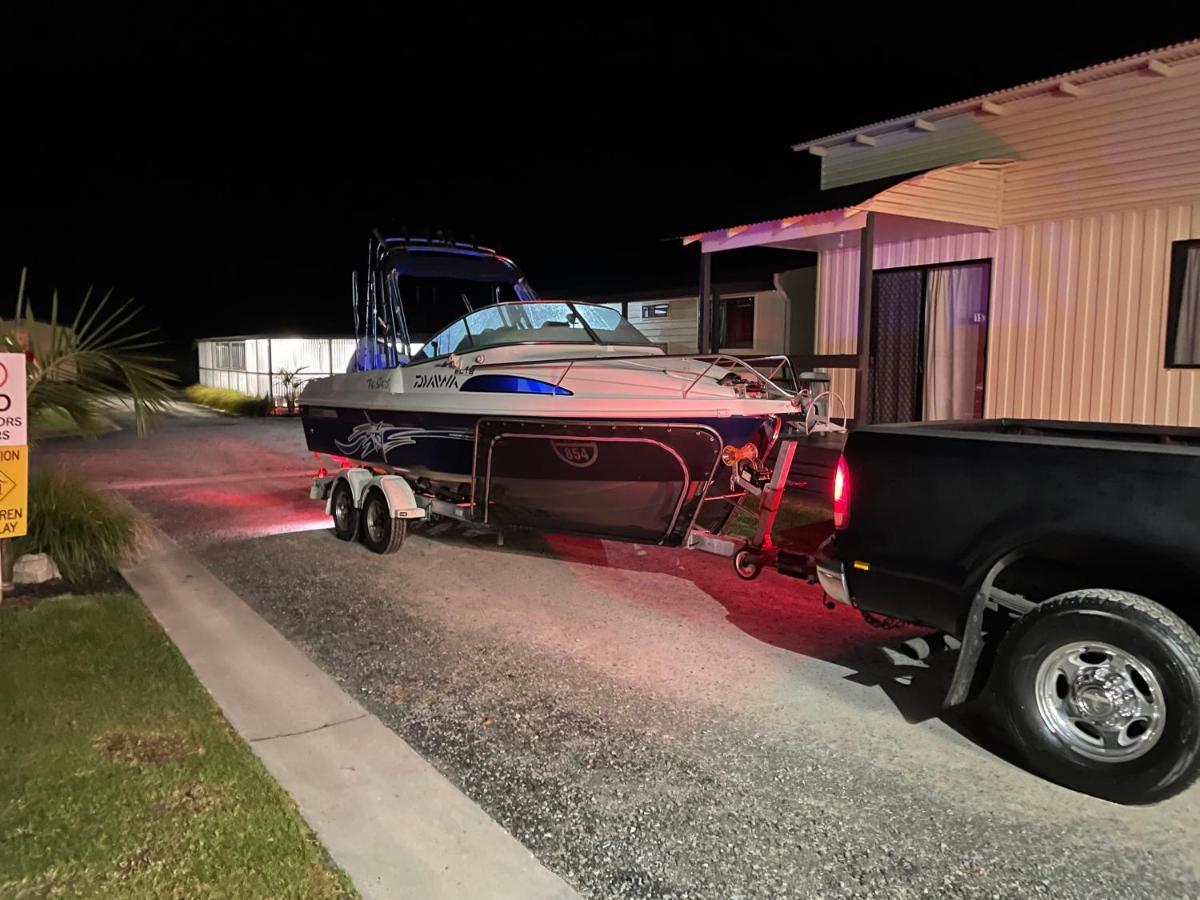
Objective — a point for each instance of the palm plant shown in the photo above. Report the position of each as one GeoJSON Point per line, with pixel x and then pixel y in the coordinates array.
{"type": "Point", "coordinates": [291, 382]}
{"type": "Point", "coordinates": [78, 368]}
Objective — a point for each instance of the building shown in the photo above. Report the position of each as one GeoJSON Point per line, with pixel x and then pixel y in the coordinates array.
{"type": "Point", "coordinates": [1030, 253]}
{"type": "Point", "coordinates": [755, 318]}
{"type": "Point", "coordinates": [252, 363]}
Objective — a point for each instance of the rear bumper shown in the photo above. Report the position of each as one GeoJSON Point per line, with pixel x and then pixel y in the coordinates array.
{"type": "Point", "coordinates": [832, 576]}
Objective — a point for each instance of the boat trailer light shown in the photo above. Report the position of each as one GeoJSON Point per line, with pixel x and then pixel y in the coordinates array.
{"type": "Point", "coordinates": [731, 455]}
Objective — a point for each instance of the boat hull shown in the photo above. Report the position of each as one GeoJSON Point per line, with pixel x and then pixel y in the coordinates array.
{"type": "Point", "coordinates": [441, 446]}
{"type": "Point", "coordinates": [627, 479]}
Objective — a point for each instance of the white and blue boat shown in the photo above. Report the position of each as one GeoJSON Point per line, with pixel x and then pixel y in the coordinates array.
{"type": "Point", "coordinates": [550, 414]}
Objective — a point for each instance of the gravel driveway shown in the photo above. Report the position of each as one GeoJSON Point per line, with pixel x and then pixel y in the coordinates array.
{"type": "Point", "coordinates": [645, 722]}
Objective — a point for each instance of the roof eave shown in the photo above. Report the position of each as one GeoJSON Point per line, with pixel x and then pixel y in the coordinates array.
{"type": "Point", "coordinates": [993, 103]}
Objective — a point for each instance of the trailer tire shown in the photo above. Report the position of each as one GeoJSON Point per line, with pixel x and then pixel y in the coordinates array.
{"type": "Point", "coordinates": [1101, 692]}
{"type": "Point", "coordinates": [748, 564]}
{"type": "Point", "coordinates": [380, 531]}
{"type": "Point", "coordinates": [345, 516]}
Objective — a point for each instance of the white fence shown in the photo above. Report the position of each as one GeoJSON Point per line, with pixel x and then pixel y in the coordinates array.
{"type": "Point", "coordinates": [251, 364]}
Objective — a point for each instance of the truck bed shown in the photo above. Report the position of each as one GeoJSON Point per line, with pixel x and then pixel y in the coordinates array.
{"type": "Point", "coordinates": [1129, 437]}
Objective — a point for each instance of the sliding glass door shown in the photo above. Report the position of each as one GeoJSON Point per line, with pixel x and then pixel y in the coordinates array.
{"type": "Point", "coordinates": [896, 341]}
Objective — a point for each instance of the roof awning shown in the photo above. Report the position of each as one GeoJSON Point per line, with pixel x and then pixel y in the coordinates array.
{"type": "Point", "coordinates": [952, 200]}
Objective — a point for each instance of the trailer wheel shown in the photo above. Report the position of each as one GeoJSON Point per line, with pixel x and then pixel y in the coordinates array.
{"type": "Point", "coordinates": [1101, 690]}
{"type": "Point", "coordinates": [381, 532]}
{"type": "Point", "coordinates": [345, 515]}
{"type": "Point", "coordinates": [747, 564]}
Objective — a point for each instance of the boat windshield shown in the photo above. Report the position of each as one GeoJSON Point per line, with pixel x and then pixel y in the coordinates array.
{"type": "Point", "coordinates": [539, 322]}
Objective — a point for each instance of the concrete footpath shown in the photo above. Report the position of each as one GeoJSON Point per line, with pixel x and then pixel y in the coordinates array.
{"type": "Point", "coordinates": [387, 817]}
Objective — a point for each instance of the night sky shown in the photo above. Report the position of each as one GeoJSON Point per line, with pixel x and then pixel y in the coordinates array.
{"type": "Point", "coordinates": [226, 168]}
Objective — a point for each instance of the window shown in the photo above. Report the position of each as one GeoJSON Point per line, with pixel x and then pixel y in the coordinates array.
{"type": "Point", "coordinates": [453, 339]}
{"type": "Point", "coordinates": [222, 355]}
{"type": "Point", "coordinates": [1183, 307]}
{"type": "Point", "coordinates": [532, 322]}
{"type": "Point", "coordinates": [656, 310]}
{"type": "Point", "coordinates": [609, 325]}
{"type": "Point", "coordinates": [738, 326]}
{"type": "Point", "coordinates": [237, 356]}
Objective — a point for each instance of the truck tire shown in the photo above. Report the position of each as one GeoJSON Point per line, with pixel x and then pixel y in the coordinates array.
{"type": "Point", "coordinates": [381, 532]}
{"type": "Point", "coordinates": [1101, 691]}
{"type": "Point", "coordinates": [345, 515]}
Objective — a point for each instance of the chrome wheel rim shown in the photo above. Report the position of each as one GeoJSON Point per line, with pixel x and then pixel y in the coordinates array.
{"type": "Point", "coordinates": [342, 510]}
{"type": "Point", "coordinates": [1104, 703]}
{"type": "Point", "coordinates": [376, 516]}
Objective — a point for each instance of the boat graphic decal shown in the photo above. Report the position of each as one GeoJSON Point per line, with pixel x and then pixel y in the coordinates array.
{"type": "Point", "coordinates": [380, 438]}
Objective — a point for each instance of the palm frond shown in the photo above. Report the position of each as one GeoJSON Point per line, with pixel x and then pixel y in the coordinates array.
{"type": "Point", "coordinates": [80, 368]}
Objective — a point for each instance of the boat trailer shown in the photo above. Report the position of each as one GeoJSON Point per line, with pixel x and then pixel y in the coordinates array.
{"type": "Point", "coordinates": [400, 500]}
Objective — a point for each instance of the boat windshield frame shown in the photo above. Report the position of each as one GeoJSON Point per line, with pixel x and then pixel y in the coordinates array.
{"type": "Point", "coordinates": [593, 338]}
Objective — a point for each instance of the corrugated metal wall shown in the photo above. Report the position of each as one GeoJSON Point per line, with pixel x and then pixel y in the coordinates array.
{"type": "Point", "coordinates": [677, 331]}
{"type": "Point", "coordinates": [264, 357]}
{"type": "Point", "coordinates": [1078, 327]}
{"type": "Point", "coordinates": [1078, 314]}
{"type": "Point", "coordinates": [1125, 130]}
{"type": "Point", "coordinates": [1122, 146]}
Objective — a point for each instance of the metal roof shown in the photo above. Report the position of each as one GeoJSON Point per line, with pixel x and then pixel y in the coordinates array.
{"type": "Point", "coordinates": [1158, 60]}
{"type": "Point", "coordinates": [644, 296]}
{"type": "Point", "coordinates": [831, 201]}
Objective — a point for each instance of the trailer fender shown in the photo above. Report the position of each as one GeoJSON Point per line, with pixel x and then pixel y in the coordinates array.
{"type": "Point", "coordinates": [400, 497]}
{"type": "Point", "coordinates": [358, 479]}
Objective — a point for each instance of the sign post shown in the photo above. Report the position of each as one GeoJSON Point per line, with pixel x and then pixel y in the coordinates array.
{"type": "Point", "coordinates": [14, 460]}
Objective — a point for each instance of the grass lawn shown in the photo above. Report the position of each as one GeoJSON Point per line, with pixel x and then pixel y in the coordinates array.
{"type": "Point", "coordinates": [228, 400]}
{"type": "Point", "coordinates": [120, 777]}
{"type": "Point", "coordinates": [795, 516]}
{"type": "Point", "coordinates": [53, 422]}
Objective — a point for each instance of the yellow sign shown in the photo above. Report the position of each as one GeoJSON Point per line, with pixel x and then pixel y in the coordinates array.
{"type": "Point", "coordinates": [14, 491]}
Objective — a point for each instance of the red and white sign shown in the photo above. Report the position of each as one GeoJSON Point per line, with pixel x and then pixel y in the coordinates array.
{"type": "Point", "coordinates": [14, 425]}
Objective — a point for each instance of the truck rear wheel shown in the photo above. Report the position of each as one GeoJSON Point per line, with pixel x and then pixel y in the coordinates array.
{"type": "Point", "coordinates": [381, 532]}
{"type": "Point", "coordinates": [1102, 693]}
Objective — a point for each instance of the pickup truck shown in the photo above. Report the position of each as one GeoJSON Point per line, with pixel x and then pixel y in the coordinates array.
{"type": "Point", "coordinates": [1069, 551]}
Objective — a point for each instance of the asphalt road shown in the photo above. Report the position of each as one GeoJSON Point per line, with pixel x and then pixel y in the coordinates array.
{"type": "Point", "coordinates": [645, 722]}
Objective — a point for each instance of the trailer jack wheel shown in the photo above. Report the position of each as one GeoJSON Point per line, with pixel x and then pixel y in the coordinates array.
{"type": "Point", "coordinates": [748, 564]}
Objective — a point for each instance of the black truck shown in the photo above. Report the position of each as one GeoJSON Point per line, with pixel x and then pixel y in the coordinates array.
{"type": "Point", "coordinates": [1066, 557]}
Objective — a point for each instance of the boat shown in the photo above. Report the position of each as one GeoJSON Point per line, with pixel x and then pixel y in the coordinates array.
{"type": "Point", "coordinates": [550, 414]}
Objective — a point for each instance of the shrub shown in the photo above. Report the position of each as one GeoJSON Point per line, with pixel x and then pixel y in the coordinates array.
{"type": "Point", "coordinates": [87, 532]}
{"type": "Point", "coordinates": [229, 400]}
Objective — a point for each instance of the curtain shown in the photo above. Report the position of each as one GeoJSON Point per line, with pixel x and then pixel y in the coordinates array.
{"type": "Point", "coordinates": [955, 321]}
{"type": "Point", "coordinates": [1187, 328]}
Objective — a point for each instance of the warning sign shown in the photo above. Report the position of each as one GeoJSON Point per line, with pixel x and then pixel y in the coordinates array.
{"type": "Point", "coordinates": [14, 491]}
{"type": "Point", "coordinates": [13, 427]}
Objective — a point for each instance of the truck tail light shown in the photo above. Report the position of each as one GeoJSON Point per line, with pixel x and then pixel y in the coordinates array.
{"type": "Point", "coordinates": [841, 494]}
